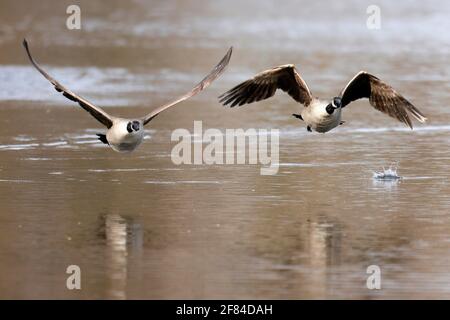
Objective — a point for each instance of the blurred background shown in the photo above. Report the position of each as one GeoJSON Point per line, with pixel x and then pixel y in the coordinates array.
{"type": "Point", "coordinates": [141, 227]}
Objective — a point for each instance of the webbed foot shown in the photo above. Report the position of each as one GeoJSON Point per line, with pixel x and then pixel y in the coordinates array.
{"type": "Point", "coordinates": [102, 138]}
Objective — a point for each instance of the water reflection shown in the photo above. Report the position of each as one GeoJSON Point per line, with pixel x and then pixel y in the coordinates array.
{"type": "Point", "coordinates": [221, 231]}
{"type": "Point", "coordinates": [324, 250]}
{"type": "Point", "coordinates": [387, 185]}
{"type": "Point", "coordinates": [124, 237]}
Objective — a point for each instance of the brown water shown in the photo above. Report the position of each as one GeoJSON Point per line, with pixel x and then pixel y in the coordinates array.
{"type": "Point", "coordinates": [141, 227]}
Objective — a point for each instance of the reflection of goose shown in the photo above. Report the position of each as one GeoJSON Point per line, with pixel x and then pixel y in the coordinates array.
{"type": "Point", "coordinates": [121, 236]}
{"type": "Point", "coordinates": [116, 232]}
{"type": "Point", "coordinates": [324, 245]}
{"type": "Point", "coordinates": [125, 135]}
{"type": "Point", "coordinates": [319, 115]}
{"type": "Point", "coordinates": [116, 241]}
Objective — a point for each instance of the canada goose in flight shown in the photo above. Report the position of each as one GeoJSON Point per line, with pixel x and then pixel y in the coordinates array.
{"type": "Point", "coordinates": [320, 115]}
{"type": "Point", "coordinates": [124, 135]}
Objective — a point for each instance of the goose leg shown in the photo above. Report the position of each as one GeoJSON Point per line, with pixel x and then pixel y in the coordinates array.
{"type": "Point", "coordinates": [102, 138]}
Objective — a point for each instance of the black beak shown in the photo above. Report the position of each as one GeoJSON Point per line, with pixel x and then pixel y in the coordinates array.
{"type": "Point", "coordinates": [337, 103]}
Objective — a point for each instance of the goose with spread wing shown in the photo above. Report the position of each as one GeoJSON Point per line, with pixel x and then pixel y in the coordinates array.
{"type": "Point", "coordinates": [125, 135]}
{"type": "Point", "coordinates": [322, 115]}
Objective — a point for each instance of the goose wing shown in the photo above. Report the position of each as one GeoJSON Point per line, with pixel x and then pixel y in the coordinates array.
{"type": "Point", "coordinates": [264, 84]}
{"type": "Point", "coordinates": [95, 111]}
{"type": "Point", "coordinates": [216, 72]}
{"type": "Point", "coordinates": [381, 96]}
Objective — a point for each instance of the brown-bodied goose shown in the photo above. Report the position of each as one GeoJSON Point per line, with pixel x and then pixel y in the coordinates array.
{"type": "Point", "coordinates": [125, 135]}
{"type": "Point", "coordinates": [322, 115]}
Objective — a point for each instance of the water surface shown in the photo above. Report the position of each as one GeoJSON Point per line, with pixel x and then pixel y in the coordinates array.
{"type": "Point", "coordinates": [140, 226]}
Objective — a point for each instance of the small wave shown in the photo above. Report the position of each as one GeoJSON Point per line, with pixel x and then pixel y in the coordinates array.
{"type": "Point", "coordinates": [398, 129]}
{"type": "Point", "coordinates": [18, 146]}
{"type": "Point", "coordinates": [123, 170]}
{"type": "Point", "coordinates": [87, 141]}
{"type": "Point", "coordinates": [423, 129]}
{"type": "Point", "coordinates": [82, 136]}
{"type": "Point", "coordinates": [37, 159]}
{"type": "Point", "coordinates": [54, 144]}
{"type": "Point", "coordinates": [23, 138]}
{"type": "Point", "coordinates": [312, 165]}
{"type": "Point", "coordinates": [181, 182]}
{"type": "Point", "coordinates": [16, 180]}
{"type": "Point", "coordinates": [159, 182]}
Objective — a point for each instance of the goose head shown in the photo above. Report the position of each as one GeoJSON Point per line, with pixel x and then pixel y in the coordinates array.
{"type": "Point", "coordinates": [133, 126]}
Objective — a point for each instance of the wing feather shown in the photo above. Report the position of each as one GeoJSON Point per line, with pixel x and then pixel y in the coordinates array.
{"type": "Point", "coordinates": [264, 85]}
{"type": "Point", "coordinates": [381, 96]}
{"type": "Point", "coordinates": [95, 111]}
{"type": "Point", "coordinates": [216, 72]}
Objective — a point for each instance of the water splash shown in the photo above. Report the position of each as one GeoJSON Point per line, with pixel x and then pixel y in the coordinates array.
{"type": "Point", "coordinates": [388, 174]}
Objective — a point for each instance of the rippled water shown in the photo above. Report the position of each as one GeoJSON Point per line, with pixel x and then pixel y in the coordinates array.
{"type": "Point", "coordinates": [140, 226]}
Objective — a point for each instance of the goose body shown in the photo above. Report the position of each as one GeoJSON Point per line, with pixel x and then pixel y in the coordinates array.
{"type": "Point", "coordinates": [121, 139]}
{"type": "Point", "coordinates": [318, 119]}
{"type": "Point", "coordinates": [125, 135]}
{"type": "Point", "coordinates": [322, 115]}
